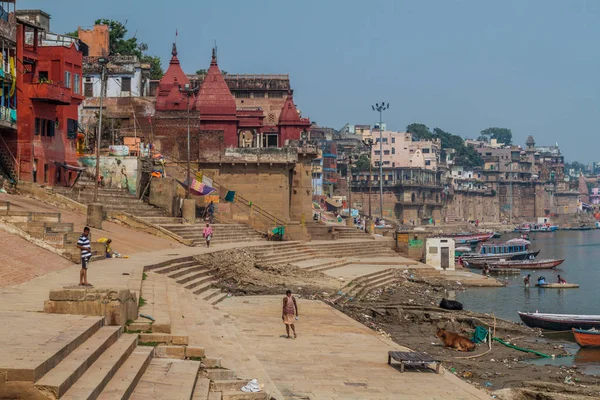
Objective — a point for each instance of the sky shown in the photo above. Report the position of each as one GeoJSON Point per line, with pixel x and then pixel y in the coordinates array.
{"type": "Point", "coordinates": [532, 66]}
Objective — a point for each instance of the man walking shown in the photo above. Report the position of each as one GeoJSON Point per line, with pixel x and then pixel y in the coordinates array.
{"type": "Point", "coordinates": [290, 309]}
{"type": "Point", "coordinates": [86, 253]}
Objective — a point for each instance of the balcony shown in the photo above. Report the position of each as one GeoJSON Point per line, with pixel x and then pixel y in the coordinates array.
{"type": "Point", "coordinates": [8, 118]}
{"type": "Point", "coordinates": [50, 93]}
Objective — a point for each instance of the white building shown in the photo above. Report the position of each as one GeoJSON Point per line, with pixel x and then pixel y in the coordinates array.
{"type": "Point", "coordinates": [439, 253]}
{"type": "Point", "coordinates": [126, 77]}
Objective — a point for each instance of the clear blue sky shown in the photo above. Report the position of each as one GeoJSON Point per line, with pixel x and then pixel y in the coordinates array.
{"type": "Point", "coordinates": [529, 65]}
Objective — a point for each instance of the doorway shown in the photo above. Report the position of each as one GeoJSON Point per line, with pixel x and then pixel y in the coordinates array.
{"type": "Point", "coordinates": [445, 257]}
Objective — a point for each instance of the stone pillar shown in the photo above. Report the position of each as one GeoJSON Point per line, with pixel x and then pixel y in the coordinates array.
{"type": "Point", "coordinates": [350, 221]}
{"type": "Point", "coordinates": [95, 214]}
{"type": "Point", "coordinates": [370, 224]}
{"type": "Point", "coordinates": [189, 211]}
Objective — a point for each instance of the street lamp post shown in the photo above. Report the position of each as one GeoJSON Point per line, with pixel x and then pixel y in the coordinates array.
{"type": "Point", "coordinates": [381, 108]}
{"type": "Point", "coordinates": [103, 61]}
{"type": "Point", "coordinates": [188, 91]}
{"type": "Point", "coordinates": [369, 142]}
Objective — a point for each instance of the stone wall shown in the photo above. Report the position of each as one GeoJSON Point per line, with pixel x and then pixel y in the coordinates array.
{"type": "Point", "coordinates": [465, 206]}
{"type": "Point", "coordinates": [118, 172]}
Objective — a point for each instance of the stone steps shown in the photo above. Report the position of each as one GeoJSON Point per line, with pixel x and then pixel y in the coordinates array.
{"type": "Point", "coordinates": [329, 265]}
{"type": "Point", "coordinates": [244, 396]}
{"type": "Point", "coordinates": [174, 270]}
{"type": "Point", "coordinates": [127, 377]}
{"type": "Point", "coordinates": [57, 381]}
{"type": "Point", "coordinates": [167, 379]}
{"type": "Point", "coordinates": [95, 379]}
{"type": "Point", "coordinates": [155, 294]}
{"type": "Point", "coordinates": [222, 233]}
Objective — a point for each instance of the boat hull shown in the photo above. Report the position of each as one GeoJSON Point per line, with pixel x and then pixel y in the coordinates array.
{"type": "Point", "coordinates": [480, 261]}
{"type": "Point", "coordinates": [558, 285]}
{"type": "Point", "coordinates": [526, 264]}
{"type": "Point", "coordinates": [586, 338]}
{"type": "Point", "coordinates": [559, 322]}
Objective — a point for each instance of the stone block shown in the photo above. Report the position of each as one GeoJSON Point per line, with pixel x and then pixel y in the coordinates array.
{"type": "Point", "coordinates": [212, 362]}
{"type": "Point", "coordinates": [45, 217]}
{"type": "Point", "coordinates": [95, 215]}
{"type": "Point", "coordinates": [139, 326]}
{"type": "Point", "coordinates": [179, 340]}
{"type": "Point", "coordinates": [67, 294]}
{"type": "Point", "coordinates": [194, 351]}
{"type": "Point", "coordinates": [155, 337]}
{"type": "Point", "coordinates": [170, 352]}
{"type": "Point", "coordinates": [55, 239]}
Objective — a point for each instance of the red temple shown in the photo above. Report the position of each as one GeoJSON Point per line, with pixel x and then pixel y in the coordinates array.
{"type": "Point", "coordinates": [216, 117]}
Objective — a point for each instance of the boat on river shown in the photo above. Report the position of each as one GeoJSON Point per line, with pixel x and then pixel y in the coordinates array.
{"type": "Point", "coordinates": [470, 238]}
{"type": "Point", "coordinates": [587, 338]}
{"type": "Point", "coordinates": [558, 285]}
{"type": "Point", "coordinates": [517, 264]}
{"type": "Point", "coordinates": [560, 322]}
{"type": "Point", "coordinates": [514, 249]}
{"type": "Point", "coordinates": [527, 227]}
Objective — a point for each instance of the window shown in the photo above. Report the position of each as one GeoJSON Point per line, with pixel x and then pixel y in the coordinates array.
{"type": "Point", "coordinates": [125, 84]}
{"type": "Point", "coordinates": [393, 140]}
{"type": "Point", "coordinates": [242, 95]}
{"type": "Point", "coordinates": [425, 151]}
{"type": "Point", "coordinates": [377, 152]}
{"type": "Point", "coordinates": [38, 128]}
{"type": "Point", "coordinates": [88, 89]}
{"type": "Point", "coordinates": [427, 162]}
{"type": "Point", "coordinates": [43, 76]}
{"type": "Point", "coordinates": [385, 140]}
{"type": "Point", "coordinates": [393, 150]}
{"type": "Point", "coordinates": [45, 173]}
{"type": "Point", "coordinates": [386, 163]}
{"type": "Point", "coordinates": [459, 173]}
{"type": "Point", "coordinates": [270, 140]}
{"type": "Point", "coordinates": [259, 95]}
{"type": "Point", "coordinates": [50, 126]}
{"type": "Point", "coordinates": [67, 82]}
{"type": "Point", "coordinates": [71, 129]}
{"type": "Point", "coordinates": [77, 84]}
{"type": "Point", "coordinates": [386, 152]}
{"type": "Point", "coordinates": [276, 95]}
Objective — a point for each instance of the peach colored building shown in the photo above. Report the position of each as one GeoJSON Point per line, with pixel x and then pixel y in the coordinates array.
{"type": "Point", "coordinates": [399, 150]}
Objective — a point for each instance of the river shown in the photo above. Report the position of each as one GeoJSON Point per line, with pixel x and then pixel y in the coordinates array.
{"type": "Point", "coordinates": [581, 251]}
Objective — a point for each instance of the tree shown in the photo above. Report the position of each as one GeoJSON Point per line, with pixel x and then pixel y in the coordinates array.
{"type": "Point", "coordinates": [362, 164]}
{"type": "Point", "coordinates": [575, 165]}
{"type": "Point", "coordinates": [130, 47]}
{"type": "Point", "coordinates": [75, 33]}
{"type": "Point", "coordinates": [201, 72]}
{"type": "Point", "coordinates": [419, 131]}
{"type": "Point", "coordinates": [502, 135]}
{"type": "Point", "coordinates": [464, 155]}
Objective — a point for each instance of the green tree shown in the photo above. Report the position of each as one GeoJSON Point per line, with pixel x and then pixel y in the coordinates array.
{"type": "Point", "coordinates": [464, 155]}
{"type": "Point", "coordinates": [419, 131]}
{"type": "Point", "coordinates": [201, 72]}
{"type": "Point", "coordinates": [362, 164]}
{"type": "Point", "coordinates": [130, 46]}
{"type": "Point", "coordinates": [502, 135]}
{"type": "Point", "coordinates": [75, 33]}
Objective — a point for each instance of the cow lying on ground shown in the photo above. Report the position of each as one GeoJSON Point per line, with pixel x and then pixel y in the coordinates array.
{"type": "Point", "coordinates": [455, 341]}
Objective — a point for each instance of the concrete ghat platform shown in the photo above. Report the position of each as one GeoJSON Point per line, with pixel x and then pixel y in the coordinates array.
{"type": "Point", "coordinates": [334, 356]}
{"type": "Point", "coordinates": [36, 342]}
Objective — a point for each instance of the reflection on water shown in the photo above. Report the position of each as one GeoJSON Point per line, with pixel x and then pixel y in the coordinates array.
{"type": "Point", "coordinates": [581, 251]}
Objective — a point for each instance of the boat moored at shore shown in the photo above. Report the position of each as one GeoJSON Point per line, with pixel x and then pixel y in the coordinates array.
{"type": "Point", "coordinates": [559, 322]}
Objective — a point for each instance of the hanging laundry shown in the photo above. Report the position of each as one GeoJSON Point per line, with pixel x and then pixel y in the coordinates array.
{"type": "Point", "coordinates": [230, 196]}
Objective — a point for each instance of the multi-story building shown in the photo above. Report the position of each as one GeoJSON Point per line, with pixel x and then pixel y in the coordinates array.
{"type": "Point", "coordinates": [8, 95]}
{"type": "Point", "coordinates": [399, 150]}
{"type": "Point", "coordinates": [50, 92]}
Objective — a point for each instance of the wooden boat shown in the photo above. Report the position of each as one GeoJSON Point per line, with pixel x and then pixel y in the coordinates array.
{"type": "Point", "coordinates": [587, 338]}
{"type": "Point", "coordinates": [560, 322]}
{"type": "Point", "coordinates": [528, 227]}
{"type": "Point", "coordinates": [558, 285]}
{"type": "Point", "coordinates": [471, 238]}
{"type": "Point", "coordinates": [479, 262]}
{"type": "Point", "coordinates": [504, 271]}
{"type": "Point", "coordinates": [518, 264]}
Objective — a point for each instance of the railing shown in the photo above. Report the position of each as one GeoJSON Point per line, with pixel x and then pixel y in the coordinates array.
{"type": "Point", "coordinates": [239, 199]}
{"type": "Point", "coordinates": [15, 167]}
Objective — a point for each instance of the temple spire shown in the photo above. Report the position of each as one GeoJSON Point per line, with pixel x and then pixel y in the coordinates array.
{"type": "Point", "coordinates": [174, 51]}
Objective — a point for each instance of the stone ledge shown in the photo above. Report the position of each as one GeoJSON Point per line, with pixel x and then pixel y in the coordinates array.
{"type": "Point", "coordinates": [118, 306]}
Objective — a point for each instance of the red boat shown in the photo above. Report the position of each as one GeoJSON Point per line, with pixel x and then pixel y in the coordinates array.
{"type": "Point", "coordinates": [589, 338]}
{"type": "Point", "coordinates": [471, 238]}
{"type": "Point", "coordinates": [526, 264]}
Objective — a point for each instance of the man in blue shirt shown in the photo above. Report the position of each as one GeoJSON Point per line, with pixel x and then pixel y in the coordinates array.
{"type": "Point", "coordinates": [86, 254]}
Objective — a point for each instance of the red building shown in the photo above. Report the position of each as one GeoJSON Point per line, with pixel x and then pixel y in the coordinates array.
{"type": "Point", "coordinates": [49, 70]}
{"type": "Point", "coordinates": [216, 122]}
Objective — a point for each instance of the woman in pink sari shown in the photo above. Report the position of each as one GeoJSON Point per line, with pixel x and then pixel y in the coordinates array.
{"type": "Point", "coordinates": [207, 232]}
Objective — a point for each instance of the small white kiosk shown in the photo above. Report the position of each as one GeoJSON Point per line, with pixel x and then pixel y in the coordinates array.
{"type": "Point", "coordinates": [439, 253]}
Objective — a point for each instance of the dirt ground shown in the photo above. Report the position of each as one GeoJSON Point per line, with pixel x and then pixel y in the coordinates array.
{"type": "Point", "coordinates": [408, 313]}
{"type": "Point", "coordinates": [240, 274]}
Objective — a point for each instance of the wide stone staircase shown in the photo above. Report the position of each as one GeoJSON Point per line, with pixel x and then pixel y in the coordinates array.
{"type": "Point", "coordinates": [113, 199]}
{"type": "Point", "coordinates": [222, 233]}
{"type": "Point", "coordinates": [91, 360]}
{"type": "Point", "coordinates": [352, 233]}
{"type": "Point", "coordinates": [46, 230]}
{"type": "Point", "coordinates": [329, 255]}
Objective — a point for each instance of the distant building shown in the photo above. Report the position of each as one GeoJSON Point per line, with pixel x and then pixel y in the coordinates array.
{"type": "Point", "coordinates": [8, 95]}
{"type": "Point", "coordinates": [399, 150]}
